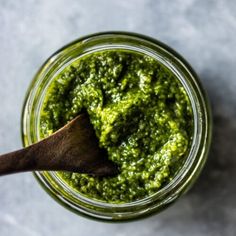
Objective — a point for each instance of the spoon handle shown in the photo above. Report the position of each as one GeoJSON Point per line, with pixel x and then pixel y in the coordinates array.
{"type": "Point", "coordinates": [19, 161]}
{"type": "Point", "coordinates": [32, 158]}
{"type": "Point", "coordinates": [12, 162]}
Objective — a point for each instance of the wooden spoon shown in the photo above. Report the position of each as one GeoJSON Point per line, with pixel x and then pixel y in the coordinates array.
{"type": "Point", "coordinates": [72, 148]}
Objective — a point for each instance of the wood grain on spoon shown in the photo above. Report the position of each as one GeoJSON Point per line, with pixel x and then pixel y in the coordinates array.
{"type": "Point", "coordinates": [72, 148]}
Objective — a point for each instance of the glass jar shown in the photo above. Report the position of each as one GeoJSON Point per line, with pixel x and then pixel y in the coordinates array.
{"type": "Point", "coordinates": [201, 135]}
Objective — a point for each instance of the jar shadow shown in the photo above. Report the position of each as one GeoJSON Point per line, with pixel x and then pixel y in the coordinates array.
{"type": "Point", "coordinates": [212, 198]}
{"type": "Point", "coordinates": [213, 195]}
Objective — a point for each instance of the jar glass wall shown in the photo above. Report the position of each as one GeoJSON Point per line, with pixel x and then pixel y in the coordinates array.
{"type": "Point", "coordinates": [66, 195]}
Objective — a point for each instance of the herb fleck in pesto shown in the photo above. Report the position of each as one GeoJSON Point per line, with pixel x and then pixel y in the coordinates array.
{"type": "Point", "coordinates": [140, 112]}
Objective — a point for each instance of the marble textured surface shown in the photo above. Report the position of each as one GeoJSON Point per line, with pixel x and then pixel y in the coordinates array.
{"type": "Point", "coordinates": [202, 31]}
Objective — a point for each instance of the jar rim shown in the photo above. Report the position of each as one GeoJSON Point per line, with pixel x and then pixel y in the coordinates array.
{"type": "Point", "coordinates": [188, 78]}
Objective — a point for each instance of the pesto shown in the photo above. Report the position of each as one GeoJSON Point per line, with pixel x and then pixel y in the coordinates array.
{"type": "Point", "coordinates": [141, 115]}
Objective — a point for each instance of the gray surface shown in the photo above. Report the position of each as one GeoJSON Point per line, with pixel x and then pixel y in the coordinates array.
{"type": "Point", "coordinates": [202, 31]}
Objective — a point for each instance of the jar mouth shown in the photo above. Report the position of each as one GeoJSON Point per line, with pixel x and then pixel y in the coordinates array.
{"type": "Point", "coordinates": [163, 54]}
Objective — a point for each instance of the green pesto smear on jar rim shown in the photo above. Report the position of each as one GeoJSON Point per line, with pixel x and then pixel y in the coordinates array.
{"type": "Point", "coordinates": [141, 114]}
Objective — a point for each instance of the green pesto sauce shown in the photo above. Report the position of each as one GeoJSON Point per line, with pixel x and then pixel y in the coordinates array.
{"type": "Point", "coordinates": [140, 112]}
